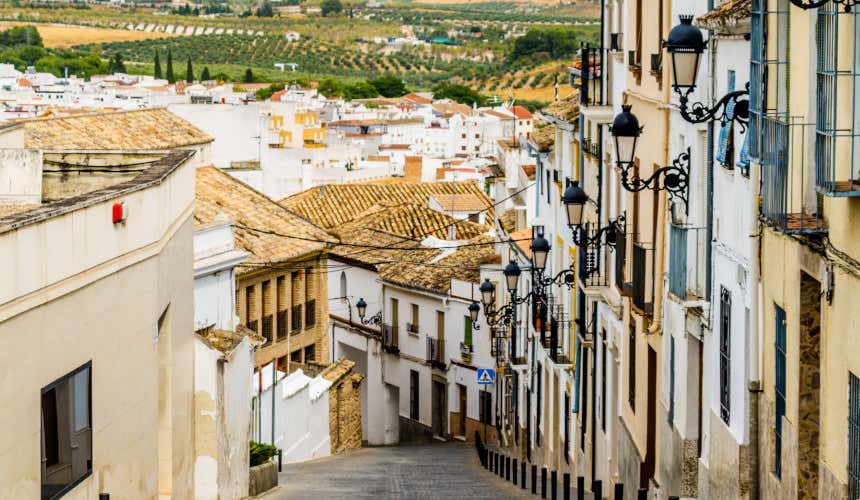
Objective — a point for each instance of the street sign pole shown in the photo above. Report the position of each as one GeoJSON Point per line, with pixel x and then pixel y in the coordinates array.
{"type": "Point", "coordinates": [485, 418]}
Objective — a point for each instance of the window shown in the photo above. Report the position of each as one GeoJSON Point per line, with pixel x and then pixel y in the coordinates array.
{"type": "Point", "coordinates": [343, 286]}
{"type": "Point", "coordinates": [413, 394]}
{"type": "Point", "coordinates": [725, 354]}
{"type": "Point", "coordinates": [281, 285]}
{"type": "Point", "coordinates": [539, 394]}
{"type": "Point", "coordinates": [631, 368]}
{"type": "Point", "coordinates": [515, 382]}
{"type": "Point", "coordinates": [310, 298]}
{"type": "Point", "coordinates": [583, 421]}
{"type": "Point", "coordinates": [267, 311]}
{"type": "Point", "coordinates": [250, 304]}
{"type": "Point", "coordinates": [66, 432]}
{"type": "Point", "coordinates": [603, 345]}
{"type": "Point", "coordinates": [310, 353]}
{"type": "Point", "coordinates": [295, 295]}
{"type": "Point", "coordinates": [296, 356]}
{"type": "Point", "coordinates": [671, 380]}
{"type": "Point", "coordinates": [412, 327]}
{"type": "Point", "coordinates": [853, 436]}
{"type": "Point", "coordinates": [567, 427]}
{"type": "Point", "coordinates": [779, 388]}
{"type": "Point", "coordinates": [440, 325]}
{"type": "Point", "coordinates": [485, 407]}
{"type": "Point", "coordinates": [467, 331]}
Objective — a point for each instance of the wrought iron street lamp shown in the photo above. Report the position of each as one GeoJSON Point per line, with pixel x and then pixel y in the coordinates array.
{"type": "Point", "coordinates": [512, 276]}
{"type": "Point", "coordinates": [685, 46]}
{"type": "Point", "coordinates": [673, 178]}
{"type": "Point", "coordinates": [474, 309]}
{"type": "Point", "coordinates": [540, 250]}
{"type": "Point", "coordinates": [625, 133]}
{"type": "Point", "coordinates": [488, 293]}
{"type": "Point", "coordinates": [361, 306]}
{"type": "Point", "coordinates": [574, 199]}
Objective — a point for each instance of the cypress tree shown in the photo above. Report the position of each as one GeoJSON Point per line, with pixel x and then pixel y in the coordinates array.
{"type": "Point", "coordinates": [249, 76]}
{"type": "Point", "coordinates": [189, 72]}
{"type": "Point", "coordinates": [170, 77]}
{"type": "Point", "coordinates": [204, 76]}
{"type": "Point", "coordinates": [157, 73]}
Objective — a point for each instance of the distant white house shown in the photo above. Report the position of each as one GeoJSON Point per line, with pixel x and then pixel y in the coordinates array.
{"type": "Point", "coordinates": [292, 36]}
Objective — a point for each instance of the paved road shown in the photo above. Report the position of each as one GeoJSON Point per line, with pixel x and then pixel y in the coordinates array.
{"type": "Point", "coordinates": [434, 471]}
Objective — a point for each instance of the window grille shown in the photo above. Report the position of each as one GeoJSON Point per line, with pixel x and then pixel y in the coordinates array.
{"type": "Point", "coordinates": [671, 381]}
{"type": "Point", "coordinates": [603, 346]}
{"type": "Point", "coordinates": [725, 354]}
{"type": "Point", "coordinates": [779, 389]}
{"type": "Point", "coordinates": [413, 394]}
{"type": "Point", "coordinates": [631, 368]}
{"type": "Point", "coordinates": [853, 436]}
{"type": "Point", "coordinates": [311, 313]}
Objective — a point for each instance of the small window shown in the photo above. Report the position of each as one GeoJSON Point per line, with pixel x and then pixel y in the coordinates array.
{"type": "Point", "coordinates": [343, 286]}
{"type": "Point", "coordinates": [310, 353]}
{"type": "Point", "coordinates": [725, 354]}
{"type": "Point", "coordinates": [631, 369]}
{"type": "Point", "coordinates": [413, 394]}
{"type": "Point", "coordinates": [66, 432]}
{"type": "Point", "coordinates": [296, 356]}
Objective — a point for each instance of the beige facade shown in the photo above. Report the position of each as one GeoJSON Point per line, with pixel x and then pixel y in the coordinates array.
{"type": "Point", "coordinates": [287, 305]}
{"type": "Point", "coordinates": [116, 300]}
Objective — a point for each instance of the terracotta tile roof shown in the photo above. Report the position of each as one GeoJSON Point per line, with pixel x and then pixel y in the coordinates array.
{"type": "Point", "coordinates": [435, 276]}
{"type": "Point", "coordinates": [543, 137]}
{"type": "Point", "coordinates": [566, 109]}
{"type": "Point", "coordinates": [417, 99]}
{"type": "Point", "coordinates": [508, 221]}
{"type": "Point", "coordinates": [729, 16]}
{"type": "Point", "coordinates": [335, 204]}
{"type": "Point", "coordinates": [452, 108]}
{"type": "Point", "coordinates": [522, 239]}
{"type": "Point", "coordinates": [497, 114]}
{"type": "Point", "coordinates": [218, 193]}
{"type": "Point", "coordinates": [460, 202]}
{"type": "Point", "coordinates": [154, 128]}
{"type": "Point", "coordinates": [520, 112]}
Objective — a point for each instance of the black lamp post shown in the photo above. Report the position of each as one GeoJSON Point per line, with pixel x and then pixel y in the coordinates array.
{"type": "Point", "coordinates": [625, 131]}
{"type": "Point", "coordinates": [474, 309]}
{"type": "Point", "coordinates": [540, 250]}
{"type": "Point", "coordinates": [673, 179]}
{"type": "Point", "coordinates": [574, 199]}
{"type": "Point", "coordinates": [488, 294]}
{"type": "Point", "coordinates": [512, 276]}
{"type": "Point", "coordinates": [361, 306]}
{"type": "Point", "coordinates": [685, 46]}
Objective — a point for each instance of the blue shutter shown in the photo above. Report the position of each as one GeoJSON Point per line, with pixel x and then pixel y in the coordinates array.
{"type": "Point", "coordinates": [779, 388]}
{"type": "Point", "coordinates": [744, 161]}
{"type": "Point", "coordinates": [726, 130]}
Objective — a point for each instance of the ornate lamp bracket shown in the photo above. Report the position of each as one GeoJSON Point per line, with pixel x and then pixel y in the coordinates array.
{"type": "Point", "coordinates": [674, 179]}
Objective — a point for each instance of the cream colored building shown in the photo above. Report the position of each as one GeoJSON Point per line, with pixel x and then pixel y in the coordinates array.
{"type": "Point", "coordinates": [96, 311]}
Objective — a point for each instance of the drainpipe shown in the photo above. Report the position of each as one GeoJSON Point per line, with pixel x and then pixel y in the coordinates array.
{"type": "Point", "coordinates": [659, 248]}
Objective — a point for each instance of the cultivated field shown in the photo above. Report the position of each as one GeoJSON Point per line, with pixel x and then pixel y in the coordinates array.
{"type": "Point", "coordinates": [59, 35]}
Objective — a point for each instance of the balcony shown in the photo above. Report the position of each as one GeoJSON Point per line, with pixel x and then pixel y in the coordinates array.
{"type": "Point", "coordinates": [643, 279]}
{"type": "Point", "coordinates": [310, 313]}
{"type": "Point", "coordinates": [634, 62]}
{"type": "Point", "coordinates": [559, 337]}
{"type": "Point", "coordinates": [687, 266]}
{"type": "Point", "coordinates": [587, 75]}
{"type": "Point", "coordinates": [436, 353]}
{"type": "Point", "coordinates": [621, 259]}
{"type": "Point", "coordinates": [389, 339]}
{"type": "Point", "coordinates": [789, 202]}
{"type": "Point", "coordinates": [296, 319]}
{"type": "Point", "coordinates": [591, 262]}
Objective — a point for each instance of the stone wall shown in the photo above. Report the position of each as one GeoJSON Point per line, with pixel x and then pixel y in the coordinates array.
{"type": "Point", "coordinates": [784, 488]}
{"type": "Point", "coordinates": [262, 478]}
{"type": "Point", "coordinates": [809, 386]}
{"type": "Point", "coordinates": [629, 462]}
{"type": "Point", "coordinates": [728, 471]}
{"type": "Point", "coordinates": [344, 406]}
{"type": "Point", "coordinates": [670, 443]}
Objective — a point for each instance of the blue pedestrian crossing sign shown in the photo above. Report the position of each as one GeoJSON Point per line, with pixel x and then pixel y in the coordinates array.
{"type": "Point", "coordinates": [486, 376]}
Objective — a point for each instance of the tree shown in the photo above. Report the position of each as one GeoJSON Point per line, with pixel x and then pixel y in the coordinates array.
{"type": "Point", "coordinates": [157, 73]}
{"type": "Point", "coordinates": [249, 76]}
{"type": "Point", "coordinates": [389, 86]}
{"type": "Point", "coordinates": [171, 78]}
{"type": "Point", "coordinates": [360, 90]}
{"type": "Point", "coordinates": [331, 7]}
{"type": "Point", "coordinates": [116, 64]}
{"type": "Point", "coordinates": [189, 72]}
{"type": "Point", "coordinates": [330, 87]}
{"type": "Point", "coordinates": [458, 93]}
{"type": "Point", "coordinates": [265, 10]}
{"type": "Point", "coordinates": [204, 76]}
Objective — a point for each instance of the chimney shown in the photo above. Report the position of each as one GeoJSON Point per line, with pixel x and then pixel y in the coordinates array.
{"type": "Point", "coordinates": [452, 232]}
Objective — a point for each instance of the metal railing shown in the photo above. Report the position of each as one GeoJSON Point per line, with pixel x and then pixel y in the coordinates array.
{"type": "Point", "coordinates": [267, 328]}
{"type": "Point", "coordinates": [789, 202]}
{"type": "Point", "coordinates": [587, 75]}
{"type": "Point", "coordinates": [436, 352]}
{"type": "Point", "coordinates": [282, 324]}
{"type": "Point", "coordinates": [643, 278]}
{"type": "Point", "coordinates": [296, 318]}
{"type": "Point", "coordinates": [389, 338]}
{"type": "Point", "coordinates": [592, 261]}
{"type": "Point", "coordinates": [687, 266]}
{"type": "Point", "coordinates": [620, 254]}
{"type": "Point", "coordinates": [412, 328]}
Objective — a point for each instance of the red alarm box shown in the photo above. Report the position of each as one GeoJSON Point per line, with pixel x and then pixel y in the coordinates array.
{"type": "Point", "coordinates": [120, 212]}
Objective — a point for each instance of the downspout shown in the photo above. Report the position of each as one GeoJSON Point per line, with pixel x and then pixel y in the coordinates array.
{"type": "Point", "coordinates": [660, 237]}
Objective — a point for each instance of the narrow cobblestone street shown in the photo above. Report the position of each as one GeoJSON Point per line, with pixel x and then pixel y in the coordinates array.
{"type": "Point", "coordinates": [437, 471]}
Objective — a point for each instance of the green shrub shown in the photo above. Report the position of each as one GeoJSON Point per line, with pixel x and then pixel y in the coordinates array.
{"type": "Point", "coordinates": [261, 453]}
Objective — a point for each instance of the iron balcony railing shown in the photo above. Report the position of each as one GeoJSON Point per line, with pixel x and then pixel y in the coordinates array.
{"type": "Point", "coordinates": [837, 130]}
{"type": "Point", "coordinates": [591, 261]}
{"type": "Point", "coordinates": [310, 313]}
{"type": "Point", "coordinates": [687, 264]}
{"type": "Point", "coordinates": [389, 339]}
{"type": "Point", "coordinates": [789, 201]}
{"type": "Point", "coordinates": [296, 318]}
{"type": "Point", "coordinates": [588, 75]}
{"type": "Point", "coordinates": [560, 335]}
{"type": "Point", "coordinates": [643, 278]}
{"type": "Point", "coordinates": [436, 352]}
